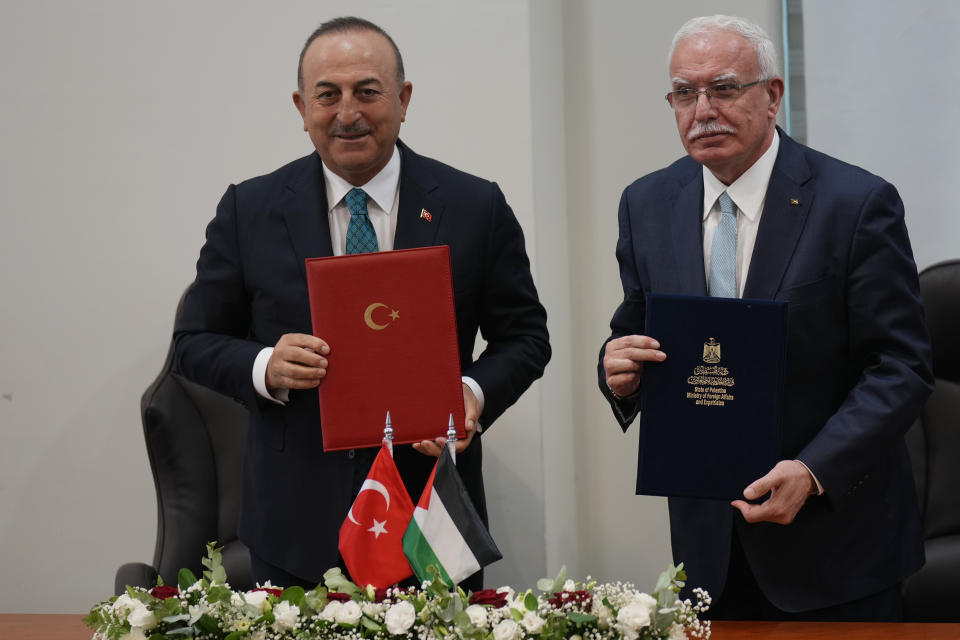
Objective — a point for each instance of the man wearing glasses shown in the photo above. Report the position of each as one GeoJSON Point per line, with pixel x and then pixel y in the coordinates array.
{"type": "Point", "coordinates": [833, 529]}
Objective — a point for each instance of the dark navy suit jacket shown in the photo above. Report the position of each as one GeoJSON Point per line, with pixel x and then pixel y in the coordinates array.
{"type": "Point", "coordinates": [251, 288]}
{"type": "Point", "coordinates": [832, 243]}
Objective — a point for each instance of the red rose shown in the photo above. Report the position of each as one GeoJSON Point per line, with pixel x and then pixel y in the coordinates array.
{"type": "Point", "coordinates": [340, 597]}
{"type": "Point", "coordinates": [164, 591]}
{"type": "Point", "coordinates": [273, 592]}
{"type": "Point", "coordinates": [579, 598]}
{"type": "Point", "coordinates": [491, 597]}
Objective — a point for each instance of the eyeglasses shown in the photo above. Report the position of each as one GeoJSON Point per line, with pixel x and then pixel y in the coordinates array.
{"type": "Point", "coordinates": [719, 95]}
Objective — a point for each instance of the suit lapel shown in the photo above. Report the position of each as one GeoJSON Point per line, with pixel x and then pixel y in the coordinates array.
{"type": "Point", "coordinates": [419, 212]}
{"type": "Point", "coordinates": [686, 230]}
{"type": "Point", "coordinates": [305, 213]}
{"type": "Point", "coordinates": [788, 200]}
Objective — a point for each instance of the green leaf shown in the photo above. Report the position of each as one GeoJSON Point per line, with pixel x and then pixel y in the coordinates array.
{"type": "Point", "coordinates": [214, 562]}
{"type": "Point", "coordinates": [545, 584]}
{"type": "Point", "coordinates": [530, 602]}
{"type": "Point", "coordinates": [581, 618]}
{"type": "Point", "coordinates": [437, 585]}
{"type": "Point", "coordinates": [93, 620]}
{"type": "Point", "coordinates": [236, 635]}
{"type": "Point", "coordinates": [663, 582]}
{"type": "Point", "coordinates": [294, 595]}
{"type": "Point", "coordinates": [336, 581]}
{"type": "Point", "coordinates": [206, 624]}
{"type": "Point", "coordinates": [176, 618]}
{"type": "Point", "coordinates": [219, 593]}
{"type": "Point", "coordinates": [137, 595]}
{"type": "Point", "coordinates": [169, 607]}
{"type": "Point", "coordinates": [371, 624]}
{"type": "Point", "coordinates": [561, 579]}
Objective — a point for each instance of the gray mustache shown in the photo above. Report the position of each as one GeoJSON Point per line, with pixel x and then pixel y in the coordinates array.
{"type": "Point", "coordinates": [704, 128]}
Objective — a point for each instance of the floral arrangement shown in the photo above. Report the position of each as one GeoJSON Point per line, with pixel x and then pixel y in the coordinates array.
{"type": "Point", "coordinates": [340, 610]}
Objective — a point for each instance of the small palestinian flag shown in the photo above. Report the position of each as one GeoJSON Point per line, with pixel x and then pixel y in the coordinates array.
{"type": "Point", "coordinates": [446, 531]}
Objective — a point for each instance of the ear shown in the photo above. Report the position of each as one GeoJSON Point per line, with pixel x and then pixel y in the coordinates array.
{"type": "Point", "coordinates": [301, 107]}
{"type": "Point", "coordinates": [405, 92]}
{"type": "Point", "coordinates": [775, 89]}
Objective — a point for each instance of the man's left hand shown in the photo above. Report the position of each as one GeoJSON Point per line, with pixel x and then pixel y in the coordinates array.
{"type": "Point", "coordinates": [435, 447]}
{"type": "Point", "coordinates": [789, 484]}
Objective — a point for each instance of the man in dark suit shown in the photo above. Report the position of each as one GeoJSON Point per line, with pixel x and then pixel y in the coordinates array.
{"type": "Point", "coordinates": [832, 530]}
{"type": "Point", "coordinates": [245, 329]}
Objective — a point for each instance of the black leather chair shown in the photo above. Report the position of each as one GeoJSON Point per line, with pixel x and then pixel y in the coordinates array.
{"type": "Point", "coordinates": [195, 440]}
{"type": "Point", "coordinates": [931, 595]}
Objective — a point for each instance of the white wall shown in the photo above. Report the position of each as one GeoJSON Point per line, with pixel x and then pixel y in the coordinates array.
{"type": "Point", "coordinates": [123, 122]}
{"type": "Point", "coordinates": [881, 93]}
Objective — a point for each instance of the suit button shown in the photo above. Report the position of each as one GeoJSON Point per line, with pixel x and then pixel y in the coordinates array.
{"type": "Point", "coordinates": [351, 454]}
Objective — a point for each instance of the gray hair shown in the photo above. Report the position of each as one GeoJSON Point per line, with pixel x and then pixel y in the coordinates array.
{"type": "Point", "coordinates": [757, 37]}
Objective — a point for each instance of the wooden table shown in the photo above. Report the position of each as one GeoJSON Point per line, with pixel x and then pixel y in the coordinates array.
{"type": "Point", "coordinates": [16, 626]}
{"type": "Point", "coordinates": [43, 626]}
{"type": "Point", "coordinates": [834, 630]}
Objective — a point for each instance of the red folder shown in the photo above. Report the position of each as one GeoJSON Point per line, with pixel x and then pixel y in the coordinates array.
{"type": "Point", "coordinates": [390, 321]}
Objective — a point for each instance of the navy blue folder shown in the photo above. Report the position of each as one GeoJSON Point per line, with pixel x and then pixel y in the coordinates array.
{"type": "Point", "coordinates": [711, 412]}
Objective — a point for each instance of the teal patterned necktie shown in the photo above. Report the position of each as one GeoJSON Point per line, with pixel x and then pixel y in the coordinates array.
{"type": "Point", "coordinates": [361, 237]}
{"type": "Point", "coordinates": [723, 252]}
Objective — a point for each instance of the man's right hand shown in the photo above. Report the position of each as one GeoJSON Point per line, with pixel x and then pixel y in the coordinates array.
{"type": "Point", "coordinates": [297, 362]}
{"type": "Point", "coordinates": [623, 360]}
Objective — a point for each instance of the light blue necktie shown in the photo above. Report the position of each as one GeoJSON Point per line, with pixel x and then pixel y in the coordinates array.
{"type": "Point", "coordinates": [723, 252]}
{"type": "Point", "coordinates": [361, 237]}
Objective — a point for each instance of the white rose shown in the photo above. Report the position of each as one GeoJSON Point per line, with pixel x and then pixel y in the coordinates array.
{"type": "Point", "coordinates": [330, 611]}
{"type": "Point", "coordinates": [349, 613]}
{"type": "Point", "coordinates": [286, 616]}
{"type": "Point", "coordinates": [124, 605]}
{"type": "Point", "coordinates": [256, 598]}
{"type": "Point", "coordinates": [400, 617]}
{"type": "Point", "coordinates": [507, 630]}
{"type": "Point", "coordinates": [636, 614]}
{"type": "Point", "coordinates": [602, 611]}
{"type": "Point", "coordinates": [569, 585]}
{"type": "Point", "coordinates": [135, 634]}
{"type": "Point", "coordinates": [478, 615]}
{"type": "Point", "coordinates": [532, 622]}
{"type": "Point", "coordinates": [142, 617]}
{"type": "Point", "coordinates": [677, 632]}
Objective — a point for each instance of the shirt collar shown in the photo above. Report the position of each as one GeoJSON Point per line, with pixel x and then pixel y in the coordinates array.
{"type": "Point", "coordinates": [749, 190]}
{"type": "Point", "coordinates": [382, 188]}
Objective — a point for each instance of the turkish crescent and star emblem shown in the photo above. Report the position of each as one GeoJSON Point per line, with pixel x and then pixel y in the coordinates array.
{"type": "Point", "coordinates": [370, 322]}
{"type": "Point", "coordinates": [378, 525]}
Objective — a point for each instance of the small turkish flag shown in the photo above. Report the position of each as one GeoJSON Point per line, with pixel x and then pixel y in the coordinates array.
{"type": "Point", "coordinates": [425, 215]}
{"type": "Point", "coordinates": [371, 537]}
